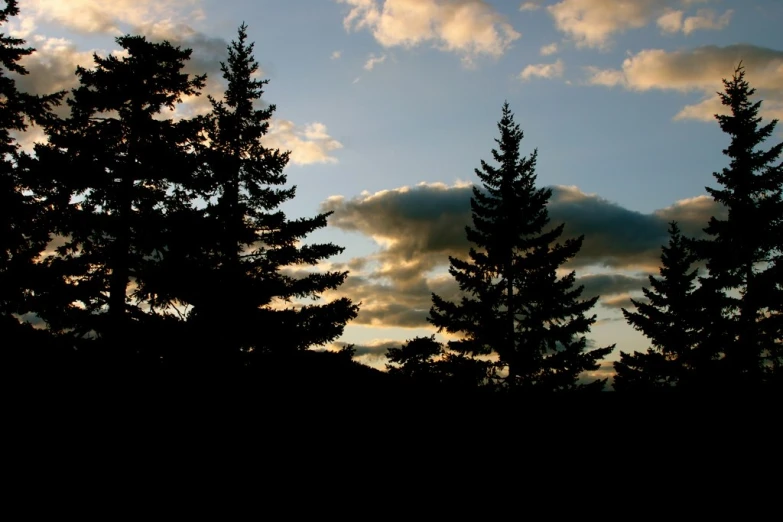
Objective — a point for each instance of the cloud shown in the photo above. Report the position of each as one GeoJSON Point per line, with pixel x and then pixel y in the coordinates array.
{"type": "Point", "coordinates": [543, 70]}
{"type": "Point", "coordinates": [549, 49]}
{"type": "Point", "coordinates": [372, 353]}
{"type": "Point", "coordinates": [115, 17]}
{"type": "Point", "coordinates": [674, 21]}
{"type": "Point", "coordinates": [418, 228]}
{"type": "Point", "coordinates": [470, 28]}
{"type": "Point", "coordinates": [52, 67]}
{"type": "Point", "coordinates": [700, 70]}
{"type": "Point", "coordinates": [671, 21]}
{"type": "Point", "coordinates": [530, 6]}
{"type": "Point", "coordinates": [706, 19]}
{"type": "Point", "coordinates": [592, 23]}
{"type": "Point", "coordinates": [610, 284]}
{"type": "Point", "coordinates": [373, 60]}
{"type": "Point", "coordinates": [308, 144]}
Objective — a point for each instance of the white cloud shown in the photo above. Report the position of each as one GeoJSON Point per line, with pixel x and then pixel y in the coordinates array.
{"type": "Point", "coordinates": [52, 67]}
{"type": "Point", "coordinates": [543, 70]}
{"type": "Point", "coordinates": [470, 28]}
{"type": "Point", "coordinates": [706, 19]}
{"type": "Point", "coordinates": [591, 23]}
{"type": "Point", "coordinates": [671, 21]}
{"type": "Point", "coordinates": [308, 144]}
{"type": "Point", "coordinates": [373, 60]}
{"type": "Point", "coordinates": [549, 49]}
{"type": "Point", "coordinates": [674, 21]}
{"type": "Point", "coordinates": [530, 6]}
{"type": "Point", "coordinates": [100, 16]}
{"type": "Point", "coordinates": [700, 70]}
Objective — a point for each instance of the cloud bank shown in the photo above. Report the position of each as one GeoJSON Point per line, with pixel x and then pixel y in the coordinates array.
{"type": "Point", "coordinates": [418, 228]}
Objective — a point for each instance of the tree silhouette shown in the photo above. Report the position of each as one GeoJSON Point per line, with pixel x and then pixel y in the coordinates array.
{"type": "Point", "coordinates": [118, 160]}
{"type": "Point", "coordinates": [237, 281]}
{"type": "Point", "coordinates": [23, 231]}
{"type": "Point", "coordinates": [743, 252]}
{"type": "Point", "coordinates": [424, 362]}
{"type": "Point", "coordinates": [672, 320]}
{"type": "Point", "coordinates": [516, 308]}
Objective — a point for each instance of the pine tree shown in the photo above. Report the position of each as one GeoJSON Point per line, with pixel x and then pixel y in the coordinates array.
{"type": "Point", "coordinates": [118, 161]}
{"type": "Point", "coordinates": [672, 320]}
{"type": "Point", "coordinates": [23, 233]}
{"type": "Point", "coordinates": [242, 299]}
{"type": "Point", "coordinates": [743, 252]}
{"type": "Point", "coordinates": [515, 306]}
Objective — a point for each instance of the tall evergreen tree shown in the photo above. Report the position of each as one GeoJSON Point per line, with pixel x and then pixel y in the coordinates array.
{"type": "Point", "coordinates": [23, 233]}
{"type": "Point", "coordinates": [242, 297]}
{"type": "Point", "coordinates": [744, 252]}
{"type": "Point", "coordinates": [516, 307]}
{"type": "Point", "coordinates": [118, 159]}
{"type": "Point", "coordinates": [672, 320]}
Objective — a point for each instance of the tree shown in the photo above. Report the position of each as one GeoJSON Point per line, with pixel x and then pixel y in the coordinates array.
{"type": "Point", "coordinates": [672, 320]}
{"type": "Point", "coordinates": [743, 252]}
{"type": "Point", "coordinates": [246, 242]}
{"type": "Point", "coordinates": [426, 362]}
{"type": "Point", "coordinates": [118, 161]}
{"type": "Point", "coordinates": [23, 233]}
{"type": "Point", "coordinates": [515, 306]}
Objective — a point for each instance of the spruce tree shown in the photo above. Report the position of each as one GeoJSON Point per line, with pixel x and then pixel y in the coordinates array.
{"type": "Point", "coordinates": [743, 252]}
{"type": "Point", "coordinates": [242, 296]}
{"type": "Point", "coordinates": [672, 320]}
{"type": "Point", "coordinates": [23, 231]}
{"type": "Point", "coordinates": [515, 306]}
{"type": "Point", "coordinates": [118, 160]}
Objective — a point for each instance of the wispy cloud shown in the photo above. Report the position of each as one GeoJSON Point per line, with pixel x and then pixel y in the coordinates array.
{"type": "Point", "coordinates": [549, 49]}
{"type": "Point", "coordinates": [530, 6]}
{"type": "Point", "coordinates": [373, 60]}
{"type": "Point", "coordinates": [543, 70]}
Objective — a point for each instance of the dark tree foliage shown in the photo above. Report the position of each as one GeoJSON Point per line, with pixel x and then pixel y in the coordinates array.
{"type": "Point", "coordinates": [516, 307]}
{"type": "Point", "coordinates": [425, 362]}
{"type": "Point", "coordinates": [117, 163]}
{"type": "Point", "coordinates": [672, 320]}
{"type": "Point", "coordinates": [236, 282]}
{"type": "Point", "coordinates": [743, 252]}
{"type": "Point", "coordinates": [23, 232]}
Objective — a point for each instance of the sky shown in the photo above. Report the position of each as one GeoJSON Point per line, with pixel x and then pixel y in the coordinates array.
{"type": "Point", "coordinates": [388, 106]}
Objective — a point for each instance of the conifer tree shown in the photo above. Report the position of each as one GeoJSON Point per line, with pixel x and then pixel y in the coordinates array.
{"type": "Point", "coordinates": [241, 298]}
{"type": "Point", "coordinates": [23, 233]}
{"type": "Point", "coordinates": [515, 307]}
{"type": "Point", "coordinates": [743, 252]}
{"type": "Point", "coordinates": [672, 320]}
{"type": "Point", "coordinates": [118, 160]}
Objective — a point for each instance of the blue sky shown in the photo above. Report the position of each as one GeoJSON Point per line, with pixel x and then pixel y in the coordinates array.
{"type": "Point", "coordinates": [376, 95]}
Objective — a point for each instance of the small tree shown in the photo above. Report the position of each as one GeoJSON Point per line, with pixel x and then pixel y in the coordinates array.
{"type": "Point", "coordinates": [744, 252]}
{"type": "Point", "coordinates": [672, 320]}
{"type": "Point", "coordinates": [516, 308]}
